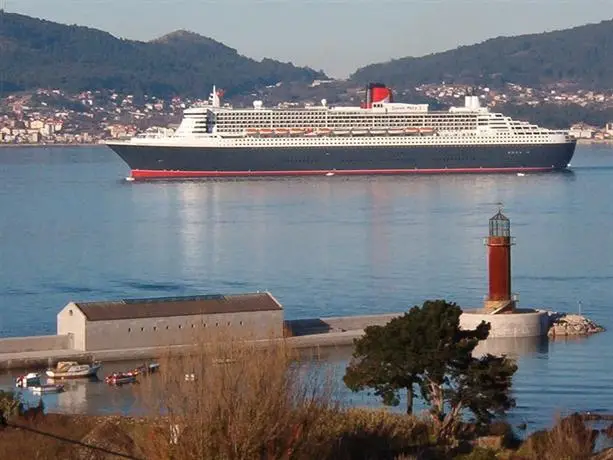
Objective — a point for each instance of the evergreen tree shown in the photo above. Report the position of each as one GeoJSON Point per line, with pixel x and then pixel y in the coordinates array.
{"type": "Point", "coordinates": [426, 347]}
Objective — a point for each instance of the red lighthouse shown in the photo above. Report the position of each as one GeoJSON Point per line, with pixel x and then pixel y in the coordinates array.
{"type": "Point", "coordinates": [499, 242]}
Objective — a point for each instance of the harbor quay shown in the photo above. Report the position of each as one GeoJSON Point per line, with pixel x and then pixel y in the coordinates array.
{"type": "Point", "coordinates": [155, 327]}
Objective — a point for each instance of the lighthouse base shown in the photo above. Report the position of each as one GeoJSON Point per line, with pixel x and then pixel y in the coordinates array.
{"type": "Point", "coordinates": [523, 322]}
{"type": "Point", "coordinates": [495, 307]}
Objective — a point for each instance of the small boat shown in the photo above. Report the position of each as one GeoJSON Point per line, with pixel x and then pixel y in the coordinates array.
{"type": "Point", "coordinates": [412, 130]}
{"type": "Point", "coordinates": [378, 132]}
{"type": "Point", "coordinates": [426, 130]}
{"type": "Point", "coordinates": [73, 370]}
{"type": "Point", "coordinates": [324, 131]}
{"type": "Point", "coordinates": [281, 131]}
{"type": "Point", "coordinates": [48, 388]}
{"type": "Point", "coordinates": [28, 380]}
{"type": "Point", "coordinates": [296, 131]}
{"type": "Point", "coordinates": [146, 369]}
{"type": "Point", "coordinates": [251, 131]}
{"type": "Point", "coordinates": [266, 132]}
{"type": "Point", "coordinates": [120, 378]}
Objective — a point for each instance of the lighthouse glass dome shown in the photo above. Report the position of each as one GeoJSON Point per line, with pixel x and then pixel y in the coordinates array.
{"type": "Point", "coordinates": [500, 225]}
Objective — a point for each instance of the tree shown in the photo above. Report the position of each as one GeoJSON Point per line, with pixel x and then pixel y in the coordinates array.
{"type": "Point", "coordinates": [426, 347]}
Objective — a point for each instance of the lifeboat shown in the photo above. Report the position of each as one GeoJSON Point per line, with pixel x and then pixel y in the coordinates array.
{"type": "Point", "coordinates": [324, 131]}
{"type": "Point", "coordinates": [296, 131]}
{"type": "Point", "coordinates": [266, 132]}
{"type": "Point", "coordinates": [341, 132]}
{"type": "Point", "coordinates": [426, 130]}
{"type": "Point", "coordinates": [412, 130]}
{"type": "Point", "coordinates": [281, 131]}
{"type": "Point", "coordinates": [395, 131]}
{"type": "Point", "coordinates": [378, 132]}
{"type": "Point", "coordinates": [359, 132]}
{"type": "Point", "coordinates": [251, 131]}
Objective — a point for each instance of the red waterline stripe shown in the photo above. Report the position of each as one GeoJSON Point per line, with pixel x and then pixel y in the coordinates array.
{"type": "Point", "coordinates": [162, 174]}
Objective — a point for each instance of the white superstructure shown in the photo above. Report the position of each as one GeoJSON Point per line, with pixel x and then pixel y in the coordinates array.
{"type": "Point", "coordinates": [381, 123]}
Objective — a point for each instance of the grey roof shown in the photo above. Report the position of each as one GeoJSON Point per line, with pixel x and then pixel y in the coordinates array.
{"type": "Point", "coordinates": [178, 306]}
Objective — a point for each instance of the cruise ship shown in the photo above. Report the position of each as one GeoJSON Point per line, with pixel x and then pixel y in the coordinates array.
{"type": "Point", "coordinates": [378, 137]}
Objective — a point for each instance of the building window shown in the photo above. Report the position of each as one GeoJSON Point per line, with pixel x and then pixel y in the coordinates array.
{"type": "Point", "coordinates": [70, 312]}
{"type": "Point", "coordinates": [166, 327]}
{"type": "Point", "coordinates": [155, 328]}
{"type": "Point", "coordinates": [203, 324]}
{"type": "Point", "coordinates": [228, 323]}
{"type": "Point", "coordinates": [142, 329]}
{"type": "Point", "coordinates": [216, 324]}
{"type": "Point", "coordinates": [240, 322]}
{"type": "Point", "coordinates": [193, 326]}
{"type": "Point", "coordinates": [129, 329]}
{"type": "Point", "coordinates": [180, 326]}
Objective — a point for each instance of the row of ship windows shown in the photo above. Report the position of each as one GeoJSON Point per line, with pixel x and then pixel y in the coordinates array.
{"type": "Point", "coordinates": [238, 128]}
{"type": "Point", "coordinates": [193, 326]}
{"type": "Point", "coordinates": [353, 120]}
{"type": "Point", "coordinates": [347, 142]}
{"type": "Point", "coordinates": [399, 157]}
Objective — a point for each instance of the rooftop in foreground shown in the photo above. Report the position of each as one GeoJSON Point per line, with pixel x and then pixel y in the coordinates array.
{"type": "Point", "coordinates": [178, 306]}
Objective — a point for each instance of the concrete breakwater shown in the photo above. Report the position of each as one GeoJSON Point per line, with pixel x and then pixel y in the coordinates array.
{"type": "Point", "coordinates": [44, 351]}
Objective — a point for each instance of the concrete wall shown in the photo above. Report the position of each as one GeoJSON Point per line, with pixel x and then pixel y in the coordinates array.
{"type": "Point", "coordinates": [352, 323]}
{"type": "Point", "coordinates": [524, 323]}
{"type": "Point", "coordinates": [71, 320]}
{"type": "Point", "coordinates": [36, 343]}
{"type": "Point", "coordinates": [180, 330]}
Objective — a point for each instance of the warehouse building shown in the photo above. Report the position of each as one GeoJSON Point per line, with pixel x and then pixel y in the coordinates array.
{"type": "Point", "coordinates": [158, 322]}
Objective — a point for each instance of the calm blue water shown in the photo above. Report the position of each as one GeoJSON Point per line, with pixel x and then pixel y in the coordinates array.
{"type": "Point", "coordinates": [73, 229]}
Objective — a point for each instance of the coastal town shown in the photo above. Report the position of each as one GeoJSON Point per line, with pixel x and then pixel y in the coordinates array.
{"type": "Point", "coordinates": [53, 116]}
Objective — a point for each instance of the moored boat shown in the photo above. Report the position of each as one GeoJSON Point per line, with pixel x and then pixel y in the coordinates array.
{"type": "Point", "coordinates": [73, 370]}
{"type": "Point", "coordinates": [149, 368]}
{"type": "Point", "coordinates": [28, 380]}
{"type": "Point", "coordinates": [48, 388]}
{"type": "Point", "coordinates": [120, 378]}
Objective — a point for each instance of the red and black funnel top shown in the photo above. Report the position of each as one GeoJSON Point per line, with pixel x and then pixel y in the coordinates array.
{"type": "Point", "coordinates": [377, 92]}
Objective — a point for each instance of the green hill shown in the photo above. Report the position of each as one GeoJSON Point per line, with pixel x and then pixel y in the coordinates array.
{"type": "Point", "coordinates": [38, 53]}
{"type": "Point", "coordinates": [581, 55]}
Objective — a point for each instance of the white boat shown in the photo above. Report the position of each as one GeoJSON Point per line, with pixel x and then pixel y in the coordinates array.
{"type": "Point", "coordinates": [73, 370]}
{"type": "Point", "coordinates": [49, 388]}
{"type": "Point", "coordinates": [28, 380]}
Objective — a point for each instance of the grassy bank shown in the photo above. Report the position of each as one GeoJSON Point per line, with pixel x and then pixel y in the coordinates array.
{"type": "Point", "coordinates": [234, 401]}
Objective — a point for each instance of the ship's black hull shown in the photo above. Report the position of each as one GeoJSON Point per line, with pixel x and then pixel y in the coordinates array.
{"type": "Point", "coordinates": [149, 161]}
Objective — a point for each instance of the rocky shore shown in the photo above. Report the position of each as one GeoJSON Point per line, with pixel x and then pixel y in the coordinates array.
{"type": "Point", "coordinates": [563, 325]}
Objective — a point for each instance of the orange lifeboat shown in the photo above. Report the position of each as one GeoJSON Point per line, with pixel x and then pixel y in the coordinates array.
{"type": "Point", "coordinates": [412, 130]}
{"type": "Point", "coordinates": [296, 131]}
{"type": "Point", "coordinates": [426, 130]}
{"type": "Point", "coordinates": [266, 131]}
{"type": "Point", "coordinates": [251, 131]}
{"type": "Point", "coordinates": [324, 131]}
{"type": "Point", "coordinates": [281, 131]}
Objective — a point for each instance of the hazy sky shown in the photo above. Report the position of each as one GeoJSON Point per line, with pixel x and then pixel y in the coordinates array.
{"type": "Point", "coordinates": [337, 36]}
